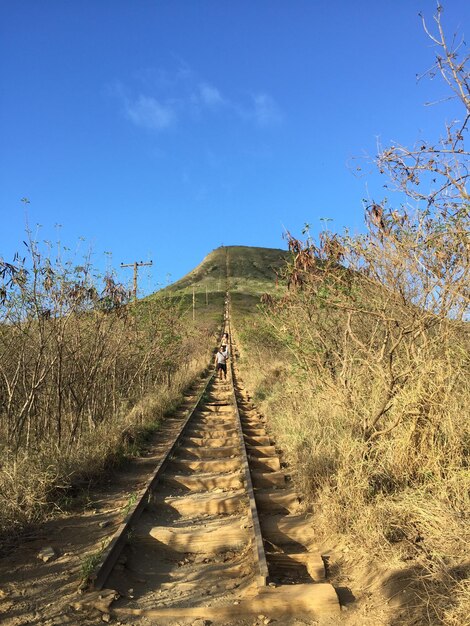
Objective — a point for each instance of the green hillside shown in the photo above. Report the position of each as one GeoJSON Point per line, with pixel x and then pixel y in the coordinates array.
{"type": "Point", "coordinates": [247, 272]}
{"type": "Point", "coordinates": [249, 269]}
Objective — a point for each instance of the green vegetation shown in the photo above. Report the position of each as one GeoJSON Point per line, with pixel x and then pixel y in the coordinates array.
{"type": "Point", "coordinates": [130, 503]}
{"type": "Point", "coordinates": [249, 269]}
{"type": "Point", "coordinates": [89, 563]}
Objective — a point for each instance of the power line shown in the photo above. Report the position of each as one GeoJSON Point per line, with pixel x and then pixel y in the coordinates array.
{"type": "Point", "coordinates": [136, 265]}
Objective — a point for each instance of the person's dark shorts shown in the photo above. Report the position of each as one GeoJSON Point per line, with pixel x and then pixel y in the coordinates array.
{"type": "Point", "coordinates": [222, 366]}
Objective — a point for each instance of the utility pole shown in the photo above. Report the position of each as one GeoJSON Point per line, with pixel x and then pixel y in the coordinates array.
{"type": "Point", "coordinates": [194, 304]}
{"type": "Point", "coordinates": [136, 265]}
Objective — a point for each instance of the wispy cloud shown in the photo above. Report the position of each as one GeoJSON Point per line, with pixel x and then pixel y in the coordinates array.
{"type": "Point", "coordinates": [262, 109]}
{"type": "Point", "coordinates": [163, 79]}
{"type": "Point", "coordinates": [167, 98]}
{"type": "Point", "coordinates": [266, 112]}
{"type": "Point", "coordinates": [148, 112]}
{"type": "Point", "coordinates": [210, 95]}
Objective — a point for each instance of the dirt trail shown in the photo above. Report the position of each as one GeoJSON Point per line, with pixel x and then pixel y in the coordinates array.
{"type": "Point", "coordinates": [192, 554]}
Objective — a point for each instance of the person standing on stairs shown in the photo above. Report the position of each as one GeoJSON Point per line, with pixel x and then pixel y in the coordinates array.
{"type": "Point", "coordinates": [221, 362]}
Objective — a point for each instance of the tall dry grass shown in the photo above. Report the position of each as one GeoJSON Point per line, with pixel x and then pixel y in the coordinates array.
{"type": "Point", "coordinates": [83, 373]}
{"type": "Point", "coordinates": [370, 398]}
{"type": "Point", "coordinates": [363, 367]}
{"type": "Point", "coordinates": [401, 498]}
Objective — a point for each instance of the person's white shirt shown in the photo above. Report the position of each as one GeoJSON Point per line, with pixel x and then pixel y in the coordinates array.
{"type": "Point", "coordinates": [222, 356]}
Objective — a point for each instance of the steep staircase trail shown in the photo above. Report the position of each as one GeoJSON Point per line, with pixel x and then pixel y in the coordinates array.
{"type": "Point", "coordinates": [192, 541]}
{"type": "Point", "coordinates": [288, 535]}
{"type": "Point", "coordinates": [219, 534]}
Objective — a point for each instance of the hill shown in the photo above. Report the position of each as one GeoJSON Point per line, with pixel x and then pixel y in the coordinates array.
{"type": "Point", "coordinates": [249, 269]}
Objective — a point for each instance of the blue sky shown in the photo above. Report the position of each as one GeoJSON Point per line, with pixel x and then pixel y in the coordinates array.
{"type": "Point", "coordinates": [160, 130]}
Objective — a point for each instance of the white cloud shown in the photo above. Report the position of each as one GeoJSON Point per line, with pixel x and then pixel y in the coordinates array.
{"type": "Point", "coordinates": [265, 111]}
{"type": "Point", "coordinates": [147, 112]}
{"type": "Point", "coordinates": [262, 110]}
{"type": "Point", "coordinates": [210, 95]}
{"type": "Point", "coordinates": [167, 98]}
{"type": "Point", "coordinates": [163, 79]}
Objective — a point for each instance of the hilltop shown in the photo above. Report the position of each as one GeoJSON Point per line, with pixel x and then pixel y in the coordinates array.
{"type": "Point", "coordinates": [250, 269]}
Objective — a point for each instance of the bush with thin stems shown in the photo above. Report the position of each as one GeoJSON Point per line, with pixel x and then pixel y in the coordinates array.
{"type": "Point", "coordinates": [79, 366]}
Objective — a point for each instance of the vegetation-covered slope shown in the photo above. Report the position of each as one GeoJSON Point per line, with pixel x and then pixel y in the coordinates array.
{"type": "Point", "coordinates": [247, 272]}
{"type": "Point", "coordinates": [365, 382]}
{"type": "Point", "coordinates": [249, 269]}
{"type": "Point", "coordinates": [83, 372]}
{"type": "Point", "coordinates": [82, 366]}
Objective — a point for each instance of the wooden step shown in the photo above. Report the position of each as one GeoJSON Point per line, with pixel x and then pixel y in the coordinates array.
{"type": "Point", "coordinates": [283, 530]}
{"type": "Point", "coordinates": [210, 442]}
{"type": "Point", "coordinates": [220, 409]}
{"type": "Point", "coordinates": [257, 440]}
{"type": "Point", "coordinates": [264, 463]}
{"type": "Point", "coordinates": [209, 539]}
{"type": "Point", "coordinates": [207, 504]}
{"type": "Point", "coordinates": [268, 479]}
{"type": "Point", "coordinates": [297, 563]}
{"type": "Point", "coordinates": [207, 466]}
{"type": "Point", "coordinates": [261, 450]}
{"type": "Point", "coordinates": [204, 483]}
{"type": "Point", "coordinates": [250, 432]}
{"type": "Point", "coordinates": [226, 452]}
{"type": "Point", "coordinates": [220, 398]}
{"type": "Point", "coordinates": [220, 432]}
{"type": "Point", "coordinates": [289, 601]}
{"type": "Point", "coordinates": [251, 423]}
{"type": "Point", "coordinates": [275, 500]}
{"type": "Point", "coordinates": [214, 423]}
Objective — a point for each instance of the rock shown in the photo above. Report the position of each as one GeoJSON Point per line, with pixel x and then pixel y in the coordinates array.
{"type": "Point", "coordinates": [104, 523]}
{"type": "Point", "coordinates": [105, 617]}
{"type": "Point", "coordinates": [232, 584]}
{"type": "Point", "coordinates": [199, 560]}
{"type": "Point", "coordinates": [47, 554]}
{"type": "Point", "coordinates": [202, 622]}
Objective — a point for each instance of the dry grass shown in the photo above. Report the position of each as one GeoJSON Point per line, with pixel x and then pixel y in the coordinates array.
{"type": "Point", "coordinates": [403, 499]}
{"type": "Point", "coordinates": [36, 483]}
{"type": "Point", "coordinates": [84, 375]}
